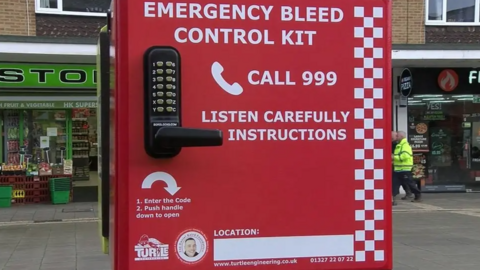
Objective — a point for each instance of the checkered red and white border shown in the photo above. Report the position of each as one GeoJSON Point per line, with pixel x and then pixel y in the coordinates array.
{"type": "Point", "coordinates": [369, 174]}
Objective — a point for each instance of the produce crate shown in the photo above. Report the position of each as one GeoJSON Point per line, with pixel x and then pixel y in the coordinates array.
{"type": "Point", "coordinates": [6, 192]}
{"type": "Point", "coordinates": [60, 197]}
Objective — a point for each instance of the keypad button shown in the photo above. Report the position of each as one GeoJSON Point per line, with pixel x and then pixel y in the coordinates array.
{"type": "Point", "coordinates": [169, 79]}
{"type": "Point", "coordinates": [169, 101]}
{"type": "Point", "coordinates": [159, 79]}
{"type": "Point", "coordinates": [159, 71]}
{"type": "Point", "coordinates": [160, 101]}
{"type": "Point", "coordinates": [160, 94]}
{"type": "Point", "coordinates": [169, 94]}
{"type": "Point", "coordinates": [160, 109]}
{"type": "Point", "coordinates": [169, 86]}
{"type": "Point", "coordinates": [159, 86]}
{"type": "Point", "coordinates": [170, 64]}
{"type": "Point", "coordinates": [169, 109]}
{"type": "Point", "coordinates": [159, 64]}
{"type": "Point", "coordinates": [169, 71]}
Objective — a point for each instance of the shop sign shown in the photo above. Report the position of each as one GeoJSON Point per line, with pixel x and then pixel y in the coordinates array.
{"type": "Point", "coordinates": [433, 116]}
{"type": "Point", "coordinates": [47, 76]}
{"type": "Point", "coordinates": [473, 77]}
{"type": "Point", "coordinates": [448, 80]}
{"type": "Point", "coordinates": [418, 136]}
{"type": "Point", "coordinates": [405, 83]}
{"type": "Point", "coordinates": [48, 105]}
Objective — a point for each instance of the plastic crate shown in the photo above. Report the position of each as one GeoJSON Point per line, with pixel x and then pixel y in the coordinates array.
{"type": "Point", "coordinates": [61, 179]}
{"type": "Point", "coordinates": [6, 192]}
{"type": "Point", "coordinates": [59, 187]}
{"type": "Point", "coordinates": [60, 184]}
{"type": "Point", "coordinates": [54, 189]}
{"type": "Point", "coordinates": [5, 202]}
{"type": "Point", "coordinates": [60, 197]}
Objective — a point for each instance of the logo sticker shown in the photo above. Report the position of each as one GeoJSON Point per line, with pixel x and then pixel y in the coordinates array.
{"type": "Point", "coordinates": [191, 246]}
{"type": "Point", "coordinates": [150, 249]}
{"type": "Point", "coordinates": [448, 80]}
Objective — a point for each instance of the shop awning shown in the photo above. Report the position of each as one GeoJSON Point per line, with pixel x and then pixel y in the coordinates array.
{"type": "Point", "coordinates": [48, 50]}
{"type": "Point", "coordinates": [435, 55]}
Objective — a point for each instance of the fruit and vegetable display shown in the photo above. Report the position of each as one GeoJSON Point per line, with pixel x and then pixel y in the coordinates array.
{"type": "Point", "coordinates": [45, 168]}
{"type": "Point", "coordinates": [12, 133]}
{"type": "Point", "coordinates": [30, 169]}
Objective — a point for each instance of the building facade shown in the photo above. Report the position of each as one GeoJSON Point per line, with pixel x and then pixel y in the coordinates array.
{"type": "Point", "coordinates": [434, 39]}
{"type": "Point", "coordinates": [437, 99]}
{"type": "Point", "coordinates": [57, 40]}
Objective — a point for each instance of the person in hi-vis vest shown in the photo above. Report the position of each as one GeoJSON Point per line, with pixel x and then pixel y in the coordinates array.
{"type": "Point", "coordinates": [403, 163]}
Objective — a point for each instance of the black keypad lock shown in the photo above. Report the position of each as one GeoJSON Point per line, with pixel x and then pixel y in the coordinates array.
{"type": "Point", "coordinates": [164, 135]}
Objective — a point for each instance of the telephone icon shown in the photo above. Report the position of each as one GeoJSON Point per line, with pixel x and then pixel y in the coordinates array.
{"type": "Point", "coordinates": [233, 89]}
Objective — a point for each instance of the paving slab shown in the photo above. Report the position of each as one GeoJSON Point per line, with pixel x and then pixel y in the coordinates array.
{"type": "Point", "coordinates": [439, 234]}
{"type": "Point", "coordinates": [48, 212]}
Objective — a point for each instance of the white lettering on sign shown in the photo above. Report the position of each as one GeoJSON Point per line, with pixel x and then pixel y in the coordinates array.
{"type": "Point", "coordinates": [334, 118]}
{"type": "Point", "coordinates": [256, 77]}
{"type": "Point", "coordinates": [208, 11]}
{"type": "Point", "coordinates": [473, 77]}
{"type": "Point", "coordinates": [311, 14]}
{"type": "Point", "coordinates": [165, 208]}
{"type": "Point", "coordinates": [225, 35]}
{"type": "Point", "coordinates": [235, 232]}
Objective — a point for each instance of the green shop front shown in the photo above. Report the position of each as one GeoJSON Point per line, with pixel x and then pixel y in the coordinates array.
{"type": "Point", "coordinates": [48, 113]}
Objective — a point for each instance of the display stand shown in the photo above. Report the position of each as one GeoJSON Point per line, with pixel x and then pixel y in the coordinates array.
{"type": "Point", "coordinates": [80, 149]}
{"type": "Point", "coordinates": [31, 189]}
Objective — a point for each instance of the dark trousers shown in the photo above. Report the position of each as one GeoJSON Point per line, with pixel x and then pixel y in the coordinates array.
{"type": "Point", "coordinates": [396, 183]}
{"type": "Point", "coordinates": [405, 179]}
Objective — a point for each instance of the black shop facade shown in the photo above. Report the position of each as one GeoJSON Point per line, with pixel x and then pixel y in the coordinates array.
{"type": "Point", "coordinates": [444, 128]}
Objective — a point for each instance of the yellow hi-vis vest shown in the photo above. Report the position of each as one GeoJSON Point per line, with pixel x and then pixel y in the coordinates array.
{"type": "Point", "coordinates": [403, 157]}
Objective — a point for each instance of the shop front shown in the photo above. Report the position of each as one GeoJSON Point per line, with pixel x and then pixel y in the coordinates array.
{"type": "Point", "coordinates": [48, 115]}
{"type": "Point", "coordinates": [443, 122]}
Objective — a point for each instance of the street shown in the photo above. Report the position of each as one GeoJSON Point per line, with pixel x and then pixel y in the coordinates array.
{"type": "Point", "coordinates": [439, 234]}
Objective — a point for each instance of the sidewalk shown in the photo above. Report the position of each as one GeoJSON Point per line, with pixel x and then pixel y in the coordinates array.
{"type": "Point", "coordinates": [48, 212]}
{"type": "Point", "coordinates": [48, 246]}
{"type": "Point", "coordinates": [439, 234]}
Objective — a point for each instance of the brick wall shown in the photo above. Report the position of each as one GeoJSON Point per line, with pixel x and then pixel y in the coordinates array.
{"type": "Point", "coordinates": [17, 18]}
{"type": "Point", "coordinates": [453, 34]}
{"type": "Point", "coordinates": [69, 26]}
{"type": "Point", "coordinates": [408, 22]}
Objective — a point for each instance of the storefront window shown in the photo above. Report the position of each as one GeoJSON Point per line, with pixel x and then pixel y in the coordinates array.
{"type": "Point", "coordinates": [51, 137]}
{"type": "Point", "coordinates": [45, 135]}
{"type": "Point", "coordinates": [444, 128]}
{"type": "Point", "coordinates": [438, 122]}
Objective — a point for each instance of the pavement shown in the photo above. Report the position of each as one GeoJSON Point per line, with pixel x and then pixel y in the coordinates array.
{"type": "Point", "coordinates": [439, 234]}
{"type": "Point", "coordinates": [48, 212]}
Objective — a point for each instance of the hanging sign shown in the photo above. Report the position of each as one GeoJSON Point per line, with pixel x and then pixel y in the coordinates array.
{"type": "Point", "coordinates": [405, 83]}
